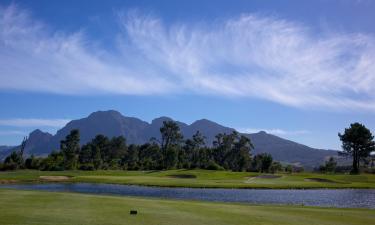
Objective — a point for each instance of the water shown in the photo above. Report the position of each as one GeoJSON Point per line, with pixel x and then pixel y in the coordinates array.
{"type": "Point", "coordinates": [343, 198]}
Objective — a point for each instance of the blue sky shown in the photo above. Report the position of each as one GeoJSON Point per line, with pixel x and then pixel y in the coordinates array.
{"type": "Point", "coordinates": [302, 70]}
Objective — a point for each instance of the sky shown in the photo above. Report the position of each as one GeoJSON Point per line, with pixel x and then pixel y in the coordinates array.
{"type": "Point", "coordinates": [302, 70]}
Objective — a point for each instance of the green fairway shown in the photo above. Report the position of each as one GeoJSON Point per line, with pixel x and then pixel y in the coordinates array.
{"type": "Point", "coordinates": [33, 207]}
{"type": "Point", "coordinates": [198, 178]}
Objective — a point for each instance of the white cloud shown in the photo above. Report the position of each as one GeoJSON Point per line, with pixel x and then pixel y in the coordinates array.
{"type": "Point", "coordinates": [275, 131]}
{"type": "Point", "coordinates": [247, 56]}
{"type": "Point", "coordinates": [34, 122]}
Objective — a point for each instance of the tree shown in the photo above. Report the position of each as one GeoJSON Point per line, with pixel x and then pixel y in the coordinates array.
{"type": "Point", "coordinates": [190, 155]}
{"type": "Point", "coordinates": [54, 162]}
{"type": "Point", "coordinates": [262, 162]}
{"type": "Point", "coordinates": [171, 139]}
{"type": "Point", "coordinates": [32, 162]}
{"type": "Point", "coordinates": [132, 159]}
{"type": "Point", "coordinates": [116, 151]}
{"type": "Point", "coordinates": [70, 149]}
{"type": "Point", "coordinates": [289, 169]}
{"type": "Point", "coordinates": [150, 157]}
{"type": "Point", "coordinates": [232, 151]}
{"type": "Point", "coordinates": [96, 155]}
{"type": "Point", "coordinates": [330, 165]}
{"type": "Point", "coordinates": [13, 161]}
{"type": "Point", "coordinates": [170, 134]}
{"type": "Point", "coordinates": [223, 145]}
{"type": "Point", "coordinates": [276, 167]}
{"type": "Point", "coordinates": [239, 158]}
{"type": "Point", "coordinates": [357, 141]}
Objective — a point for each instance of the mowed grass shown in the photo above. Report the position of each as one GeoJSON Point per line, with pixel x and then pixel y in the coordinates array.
{"type": "Point", "coordinates": [32, 207]}
{"type": "Point", "coordinates": [200, 178]}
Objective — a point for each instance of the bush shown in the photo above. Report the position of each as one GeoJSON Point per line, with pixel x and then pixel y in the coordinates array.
{"type": "Point", "coordinates": [87, 166]}
{"type": "Point", "coordinates": [276, 167]}
{"type": "Point", "coordinates": [214, 166]}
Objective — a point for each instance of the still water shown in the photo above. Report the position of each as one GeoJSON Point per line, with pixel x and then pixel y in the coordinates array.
{"type": "Point", "coordinates": [343, 198]}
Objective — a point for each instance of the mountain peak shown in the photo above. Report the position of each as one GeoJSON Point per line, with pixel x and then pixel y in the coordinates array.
{"type": "Point", "coordinates": [112, 113]}
{"type": "Point", "coordinates": [161, 119]}
{"type": "Point", "coordinates": [204, 122]}
{"type": "Point", "coordinates": [38, 133]}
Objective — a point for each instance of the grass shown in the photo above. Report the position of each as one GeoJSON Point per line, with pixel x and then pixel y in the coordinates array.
{"type": "Point", "coordinates": [200, 178]}
{"type": "Point", "coordinates": [33, 207]}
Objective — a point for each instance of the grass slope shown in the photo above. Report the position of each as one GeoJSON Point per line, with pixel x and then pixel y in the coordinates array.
{"type": "Point", "coordinates": [200, 178]}
{"type": "Point", "coordinates": [33, 207]}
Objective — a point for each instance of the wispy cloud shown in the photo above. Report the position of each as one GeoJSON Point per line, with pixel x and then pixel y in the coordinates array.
{"type": "Point", "coordinates": [275, 131]}
{"type": "Point", "coordinates": [249, 56]}
{"type": "Point", "coordinates": [34, 122]}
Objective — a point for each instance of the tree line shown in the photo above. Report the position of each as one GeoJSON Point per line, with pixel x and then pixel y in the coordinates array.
{"type": "Point", "coordinates": [228, 152]}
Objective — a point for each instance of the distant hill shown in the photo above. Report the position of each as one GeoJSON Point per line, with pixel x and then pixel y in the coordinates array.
{"type": "Point", "coordinates": [5, 150]}
{"type": "Point", "coordinates": [112, 123]}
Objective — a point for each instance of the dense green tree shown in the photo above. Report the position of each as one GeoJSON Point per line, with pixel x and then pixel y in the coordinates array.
{"type": "Point", "coordinates": [117, 148]}
{"type": "Point", "coordinates": [32, 162]}
{"type": "Point", "coordinates": [13, 161]}
{"type": "Point", "coordinates": [150, 156]}
{"type": "Point", "coordinates": [131, 161]}
{"type": "Point", "coordinates": [189, 157]}
{"type": "Point", "coordinates": [102, 143]}
{"type": "Point", "coordinates": [16, 159]}
{"type": "Point", "coordinates": [170, 135]}
{"type": "Point", "coordinates": [238, 158]}
{"type": "Point", "coordinates": [171, 139]}
{"type": "Point", "coordinates": [70, 149]}
{"type": "Point", "coordinates": [276, 167]}
{"type": "Point", "coordinates": [86, 154]}
{"type": "Point", "coordinates": [262, 162]}
{"type": "Point", "coordinates": [54, 162]}
{"type": "Point", "coordinates": [96, 155]}
{"type": "Point", "coordinates": [223, 144]}
{"type": "Point", "coordinates": [358, 142]}
{"type": "Point", "coordinates": [232, 151]}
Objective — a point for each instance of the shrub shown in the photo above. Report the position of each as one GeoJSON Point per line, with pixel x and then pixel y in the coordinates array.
{"type": "Point", "coordinates": [214, 166]}
{"type": "Point", "coordinates": [87, 166]}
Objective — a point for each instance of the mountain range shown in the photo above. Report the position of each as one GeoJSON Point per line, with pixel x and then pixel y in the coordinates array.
{"type": "Point", "coordinates": [112, 123]}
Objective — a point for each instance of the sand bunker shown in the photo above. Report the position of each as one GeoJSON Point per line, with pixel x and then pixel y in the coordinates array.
{"type": "Point", "coordinates": [184, 176]}
{"type": "Point", "coordinates": [264, 176]}
{"type": "Point", "coordinates": [54, 178]}
{"type": "Point", "coordinates": [8, 181]}
{"type": "Point", "coordinates": [320, 180]}
{"type": "Point", "coordinates": [268, 176]}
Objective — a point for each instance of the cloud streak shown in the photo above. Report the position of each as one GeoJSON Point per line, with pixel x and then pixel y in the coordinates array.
{"type": "Point", "coordinates": [249, 56]}
{"type": "Point", "coordinates": [275, 131]}
{"type": "Point", "coordinates": [56, 123]}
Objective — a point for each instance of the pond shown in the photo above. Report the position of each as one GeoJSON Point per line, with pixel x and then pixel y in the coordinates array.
{"type": "Point", "coordinates": [343, 198]}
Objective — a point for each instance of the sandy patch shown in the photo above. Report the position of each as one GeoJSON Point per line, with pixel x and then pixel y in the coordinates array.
{"type": "Point", "coordinates": [320, 180]}
{"type": "Point", "coordinates": [54, 178]}
{"type": "Point", "coordinates": [268, 176]}
{"type": "Point", "coordinates": [183, 176]}
{"type": "Point", "coordinates": [264, 176]}
{"type": "Point", "coordinates": [8, 181]}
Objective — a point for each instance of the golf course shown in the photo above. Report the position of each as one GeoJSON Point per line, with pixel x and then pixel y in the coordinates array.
{"type": "Point", "coordinates": [34, 207]}
{"type": "Point", "coordinates": [196, 179]}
